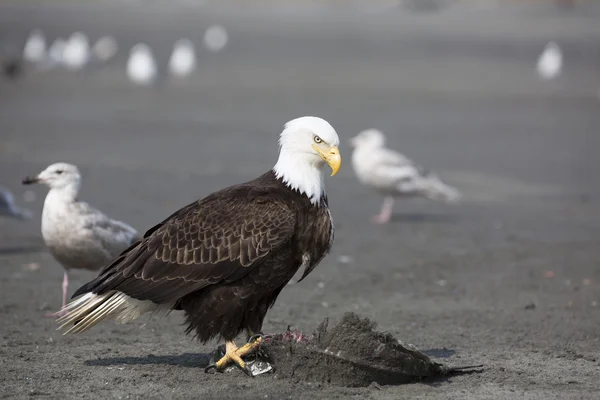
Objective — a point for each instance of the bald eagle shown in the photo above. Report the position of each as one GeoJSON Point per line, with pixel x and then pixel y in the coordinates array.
{"type": "Point", "coordinates": [225, 258]}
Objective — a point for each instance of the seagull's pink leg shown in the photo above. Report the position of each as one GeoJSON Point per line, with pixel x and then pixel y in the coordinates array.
{"type": "Point", "coordinates": [385, 214]}
{"type": "Point", "coordinates": [65, 288]}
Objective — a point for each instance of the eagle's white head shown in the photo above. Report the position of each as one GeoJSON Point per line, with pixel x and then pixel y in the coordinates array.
{"type": "Point", "coordinates": [306, 145]}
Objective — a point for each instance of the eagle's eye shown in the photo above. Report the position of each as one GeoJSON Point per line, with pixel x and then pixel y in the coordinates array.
{"type": "Point", "coordinates": [318, 139]}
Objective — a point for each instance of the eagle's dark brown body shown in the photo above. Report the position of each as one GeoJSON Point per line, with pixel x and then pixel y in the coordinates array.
{"type": "Point", "coordinates": [225, 258]}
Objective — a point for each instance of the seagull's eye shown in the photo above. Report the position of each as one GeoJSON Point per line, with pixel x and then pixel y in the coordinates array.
{"type": "Point", "coordinates": [318, 139]}
{"type": "Point", "coordinates": [60, 171]}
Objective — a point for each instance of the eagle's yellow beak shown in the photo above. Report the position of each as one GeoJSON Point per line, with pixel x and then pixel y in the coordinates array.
{"type": "Point", "coordinates": [331, 155]}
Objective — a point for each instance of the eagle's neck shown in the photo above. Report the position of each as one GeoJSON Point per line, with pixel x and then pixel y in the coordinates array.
{"type": "Point", "coordinates": [298, 174]}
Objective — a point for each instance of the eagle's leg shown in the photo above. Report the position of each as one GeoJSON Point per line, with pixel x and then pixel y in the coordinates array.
{"type": "Point", "coordinates": [235, 354]}
{"type": "Point", "coordinates": [385, 214]}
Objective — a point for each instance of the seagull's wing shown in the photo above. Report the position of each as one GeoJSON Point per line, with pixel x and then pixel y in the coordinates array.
{"type": "Point", "coordinates": [393, 172]}
{"type": "Point", "coordinates": [114, 236]}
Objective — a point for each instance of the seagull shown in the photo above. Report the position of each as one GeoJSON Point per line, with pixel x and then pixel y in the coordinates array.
{"type": "Point", "coordinates": [76, 52]}
{"type": "Point", "coordinates": [77, 235]}
{"type": "Point", "coordinates": [56, 53]}
{"type": "Point", "coordinates": [215, 38]}
{"type": "Point", "coordinates": [183, 58]}
{"type": "Point", "coordinates": [550, 62]}
{"type": "Point", "coordinates": [105, 48]}
{"type": "Point", "coordinates": [9, 208]}
{"type": "Point", "coordinates": [141, 67]}
{"type": "Point", "coordinates": [35, 47]}
{"type": "Point", "coordinates": [393, 175]}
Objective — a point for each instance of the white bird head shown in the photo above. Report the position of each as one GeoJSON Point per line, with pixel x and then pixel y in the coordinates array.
{"type": "Point", "coordinates": [140, 49]}
{"type": "Point", "coordinates": [306, 145]}
{"type": "Point", "coordinates": [368, 138]}
{"type": "Point", "coordinates": [184, 44]}
{"type": "Point", "coordinates": [58, 176]}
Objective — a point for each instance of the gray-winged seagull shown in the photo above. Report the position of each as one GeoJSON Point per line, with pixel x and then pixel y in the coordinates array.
{"type": "Point", "coordinates": [77, 235]}
{"type": "Point", "coordinates": [393, 175]}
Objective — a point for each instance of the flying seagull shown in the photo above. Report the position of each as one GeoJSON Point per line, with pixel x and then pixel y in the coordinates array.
{"type": "Point", "coordinates": [77, 235]}
{"type": "Point", "coordinates": [225, 258]}
{"type": "Point", "coordinates": [9, 208]}
{"type": "Point", "coordinates": [393, 175]}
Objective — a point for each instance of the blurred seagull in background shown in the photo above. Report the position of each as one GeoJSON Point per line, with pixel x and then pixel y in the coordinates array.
{"type": "Point", "coordinates": [56, 53]}
{"type": "Point", "coordinates": [393, 175]}
{"type": "Point", "coordinates": [77, 235]}
{"type": "Point", "coordinates": [35, 47]}
{"type": "Point", "coordinates": [105, 48]}
{"type": "Point", "coordinates": [183, 58]}
{"type": "Point", "coordinates": [9, 208]}
{"type": "Point", "coordinates": [141, 67]}
{"type": "Point", "coordinates": [215, 38]}
{"type": "Point", "coordinates": [76, 52]}
{"type": "Point", "coordinates": [549, 64]}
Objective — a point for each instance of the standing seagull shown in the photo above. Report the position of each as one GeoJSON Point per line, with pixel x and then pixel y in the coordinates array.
{"type": "Point", "coordinates": [9, 208]}
{"type": "Point", "coordinates": [77, 235]}
{"type": "Point", "coordinates": [225, 258]}
{"type": "Point", "coordinates": [35, 47]}
{"type": "Point", "coordinates": [105, 48]}
{"type": "Point", "coordinates": [76, 53]}
{"type": "Point", "coordinates": [183, 58]}
{"type": "Point", "coordinates": [393, 175]}
{"type": "Point", "coordinates": [550, 62]}
{"type": "Point", "coordinates": [141, 67]}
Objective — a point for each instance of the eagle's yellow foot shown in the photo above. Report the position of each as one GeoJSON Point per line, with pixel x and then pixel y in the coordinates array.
{"type": "Point", "coordinates": [235, 354]}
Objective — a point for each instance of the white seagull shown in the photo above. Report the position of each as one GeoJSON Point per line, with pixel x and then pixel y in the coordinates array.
{"type": "Point", "coordinates": [393, 175]}
{"type": "Point", "coordinates": [35, 47]}
{"type": "Point", "coordinates": [76, 53]}
{"type": "Point", "coordinates": [77, 235]}
{"type": "Point", "coordinates": [550, 62]}
{"type": "Point", "coordinates": [9, 208]}
{"type": "Point", "coordinates": [183, 58]}
{"type": "Point", "coordinates": [105, 48]}
{"type": "Point", "coordinates": [215, 38]}
{"type": "Point", "coordinates": [141, 67]}
{"type": "Point", "coordinates": [56, 53]}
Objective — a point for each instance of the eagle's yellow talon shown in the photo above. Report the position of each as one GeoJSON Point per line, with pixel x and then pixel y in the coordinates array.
{"type": "Point", "coordinates": [235, 354]}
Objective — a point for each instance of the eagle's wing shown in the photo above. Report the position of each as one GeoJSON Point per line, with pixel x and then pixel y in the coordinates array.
{"type": "Point", "coordinates": [217, 239]}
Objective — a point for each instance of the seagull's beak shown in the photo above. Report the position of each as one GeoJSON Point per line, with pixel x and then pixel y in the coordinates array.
{"type": "Point", "coordinates": [28, 180]}
{"type": "Point", "coordinates": [332, 157]}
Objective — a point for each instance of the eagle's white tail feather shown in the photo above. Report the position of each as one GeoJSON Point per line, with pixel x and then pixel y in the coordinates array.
{"type": "Point", "coordinates": [89, 309]}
